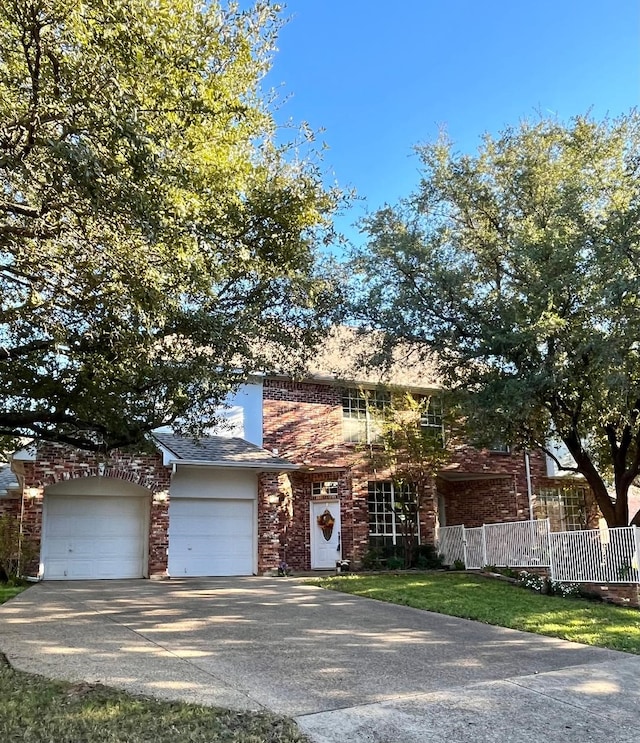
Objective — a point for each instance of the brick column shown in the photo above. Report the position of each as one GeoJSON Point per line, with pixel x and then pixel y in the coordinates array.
{"type": "Point", "coordinates": [274, 495]}
{"type": "Point", "coordinates": [159, 535]}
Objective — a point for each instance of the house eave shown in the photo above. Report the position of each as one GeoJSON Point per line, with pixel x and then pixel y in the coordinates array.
{"type": "Point", "coordinates": [221, 464]}
{"type": "Point", "coordinates": [338, 381]}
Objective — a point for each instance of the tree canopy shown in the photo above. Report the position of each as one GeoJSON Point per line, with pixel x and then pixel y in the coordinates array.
{"type": "Point", "coordinates": [157, 240]}
{"type": "Point", "coordinates": [520, 268]}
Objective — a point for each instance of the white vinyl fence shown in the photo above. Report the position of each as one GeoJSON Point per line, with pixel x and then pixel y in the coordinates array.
{"type": "Point", "coordinates": [596, 555]}
{"type": "Point", "coordinates": [450, 543]}
{"type": "Point", "coordinates": [589, 556]}
{"type": "Point", "coordinates": [513, 544]}
{"type": "Point", "coordinates": [474, 547]}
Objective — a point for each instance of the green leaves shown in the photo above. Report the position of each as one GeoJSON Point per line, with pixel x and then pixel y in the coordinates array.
{"type": "Point", "coordinates": [146, 215]}
{"type": "Point", "coordinates": [519, 267]}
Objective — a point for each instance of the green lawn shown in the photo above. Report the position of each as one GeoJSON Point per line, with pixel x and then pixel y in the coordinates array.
{"type": "Point", "coordinates": [502, 604]}
{"type": "Point", "coordinates": [37, 710]}
{"type": "Point", "coordinates": [8, 592]}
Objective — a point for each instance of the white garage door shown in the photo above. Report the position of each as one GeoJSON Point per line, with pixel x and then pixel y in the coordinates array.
{"type": "Point", "coordinates": [93, 537]}
{"type": "Point", "coordinates": [210, 537]}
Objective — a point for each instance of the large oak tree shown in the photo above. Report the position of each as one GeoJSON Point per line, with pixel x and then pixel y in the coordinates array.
{"type": "Point", "coordinates": [157, 239]}
{"type": "Point", "coordinates": [520, 268]}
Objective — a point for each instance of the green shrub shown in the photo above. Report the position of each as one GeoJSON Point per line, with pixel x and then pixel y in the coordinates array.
{"type": "Point", "coordinates": [372, 559]}
{"type": "Point", "coordinates": [427, 557]}
{"type": "Point", "coordinates": [15, 550]}
{"type": "Point", "coordinates": [395, 563]}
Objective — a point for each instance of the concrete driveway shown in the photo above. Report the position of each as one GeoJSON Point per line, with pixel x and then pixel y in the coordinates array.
{"type": "Point", "coordinates": [347, 668]}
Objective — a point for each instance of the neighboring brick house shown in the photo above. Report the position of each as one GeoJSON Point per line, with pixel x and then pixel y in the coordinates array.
{"type": "Point", "coordinates": [291, 478]}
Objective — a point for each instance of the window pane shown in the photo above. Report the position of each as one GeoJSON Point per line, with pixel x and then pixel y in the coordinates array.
{"type": "Point", "coordinates": [565, 507]}
{"type": "Point", "coordinates": [327, 488]}
{"type": "Point", "coordinates": [381, 517]}
{"type": "Point", "coordinates": [363, 406]}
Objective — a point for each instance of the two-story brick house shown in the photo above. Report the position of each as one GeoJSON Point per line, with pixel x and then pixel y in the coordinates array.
{"type": "Point", "coordinates": [291, 478]}
{"type": "Point", "coordinates": [326, 424]}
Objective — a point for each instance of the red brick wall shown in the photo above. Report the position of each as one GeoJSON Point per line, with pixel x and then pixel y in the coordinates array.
{"type": "Point", "coordinates": [477, 502]}
{"type": "Point", "coordinates": [10, 505]}
{"type": "Point", "coordinates": [303, 422]}
{"type": "Point", "coordinates": [274, 507]}
{"type": "Point", "coordinates": [159, 536]}
{"type": "Point", "coordinates": [623, 594]}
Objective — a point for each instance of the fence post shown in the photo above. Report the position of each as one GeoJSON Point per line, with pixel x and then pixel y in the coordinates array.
{"type": "Point", "coordinates": [636, 536]}
{"type": "Point", "coordinates": [464, 546]}
{"type": "Point", "coordinates": [484, 546]}
{"type": "Point", "coordinates": [552, 571]}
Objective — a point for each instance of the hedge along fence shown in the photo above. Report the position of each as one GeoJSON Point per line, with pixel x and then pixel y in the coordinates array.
{"type": "Point", "coordinates": [601, 555]}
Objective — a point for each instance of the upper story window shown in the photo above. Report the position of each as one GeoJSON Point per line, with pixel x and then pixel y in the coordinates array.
{"type": "Point", "coordinates": [361, 414]}
{"type": "Point", "coordinates": [432, 419]}
{"type": "Point", "coordinates": [499, 446]}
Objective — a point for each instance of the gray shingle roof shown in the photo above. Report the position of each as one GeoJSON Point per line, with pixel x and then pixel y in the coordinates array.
{"type": "Point", "coordinates": [222, 451]}
{"type": "Point", "coordinates": [7, 479]}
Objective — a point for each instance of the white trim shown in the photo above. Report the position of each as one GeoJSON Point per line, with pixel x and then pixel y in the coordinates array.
{"type": "Point", "coordinates": [222, 464]}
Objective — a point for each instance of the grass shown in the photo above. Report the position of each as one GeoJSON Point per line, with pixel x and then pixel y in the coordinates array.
{"type": "Point", "coordinates": [8, 592]}
{"type": "Point", "coordinates": [37, 710]}
{"type": "Point", "coordinates": [502, 604]}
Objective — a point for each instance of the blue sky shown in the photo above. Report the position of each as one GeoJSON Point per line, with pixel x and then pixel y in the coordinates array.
{"type": "Point", "coordinates": [382, 77]}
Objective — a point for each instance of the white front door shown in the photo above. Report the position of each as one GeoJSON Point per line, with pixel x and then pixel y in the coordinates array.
{"type": "Point", "coordinates": [326, 537]}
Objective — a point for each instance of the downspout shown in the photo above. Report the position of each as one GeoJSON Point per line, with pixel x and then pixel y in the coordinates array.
{"type": "Point", "coordinates": [527, 469]}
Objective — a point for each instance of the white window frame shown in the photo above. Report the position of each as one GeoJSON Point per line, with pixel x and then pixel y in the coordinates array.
{"type": "Point", "coordinates": [432, 419]}
{"type": "Point", "coordinates": [566, 507]}
{"type": "Point", "coordinates": [362, 406]}
{"type": "Point", "coordinates": [387, 488]}
{"type": "Point", "coordinates": [325, 489]}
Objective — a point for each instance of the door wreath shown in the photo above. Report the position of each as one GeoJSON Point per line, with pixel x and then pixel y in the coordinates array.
{"type": "Point", "coordinates": [326, 521]}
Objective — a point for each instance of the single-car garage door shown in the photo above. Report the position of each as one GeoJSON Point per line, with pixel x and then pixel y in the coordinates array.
{"type": "Point", "coordinates": [211, 536]}
{"type": "Point", "coordinates": [88, 537]}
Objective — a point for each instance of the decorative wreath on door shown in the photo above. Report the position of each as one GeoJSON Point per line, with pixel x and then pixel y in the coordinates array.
{"type": "Point", "coordinates": [326, 521]}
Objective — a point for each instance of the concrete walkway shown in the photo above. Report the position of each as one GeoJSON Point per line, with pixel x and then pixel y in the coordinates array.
{"type": "Point", "coordinates": [347, 668]}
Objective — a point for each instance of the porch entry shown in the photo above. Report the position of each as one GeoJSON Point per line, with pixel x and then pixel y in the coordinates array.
{"type": "Point", "coordinates": [326, 538]}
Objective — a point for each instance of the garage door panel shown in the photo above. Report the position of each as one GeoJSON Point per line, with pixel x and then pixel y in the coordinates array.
{"type": "Point", "coordinates": [212, 527]}
{"type": "Point", "coordinates": [89, 537]}
{"type": "Point", "coordinates": [211, 537]}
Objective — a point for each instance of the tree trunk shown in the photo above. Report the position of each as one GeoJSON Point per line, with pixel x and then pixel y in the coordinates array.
{"type": "Point", "coordinates": [613, 513]}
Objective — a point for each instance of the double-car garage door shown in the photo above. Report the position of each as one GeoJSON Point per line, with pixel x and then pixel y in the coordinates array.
{"type": "Point", "coordinates": [98, 528]}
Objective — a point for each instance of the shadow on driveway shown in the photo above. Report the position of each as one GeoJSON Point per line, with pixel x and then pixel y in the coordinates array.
{"type": "Point", "coordinates": [325, 657]}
